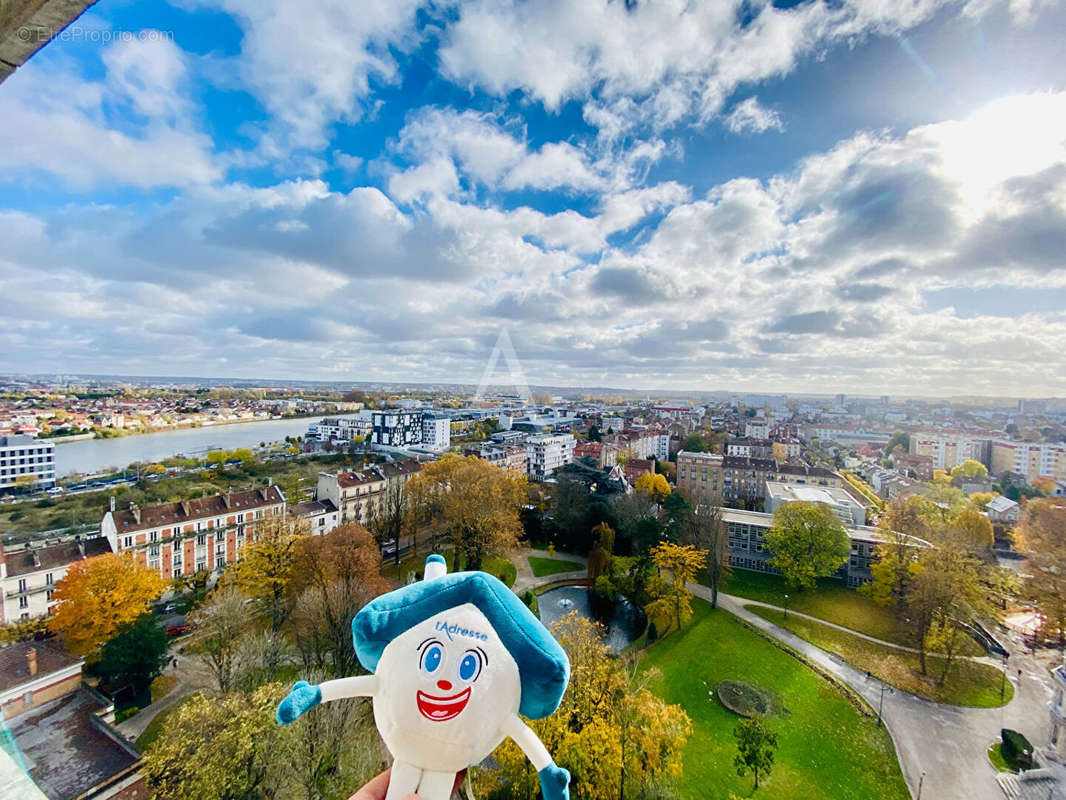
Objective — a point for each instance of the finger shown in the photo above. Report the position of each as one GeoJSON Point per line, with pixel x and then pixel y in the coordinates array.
{"type": "Point", "coordinates": [459, 778]}
{"type": "Point", "coordinates": [375, 789]}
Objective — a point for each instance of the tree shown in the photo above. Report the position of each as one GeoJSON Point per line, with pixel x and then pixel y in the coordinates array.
{"type": "Point", "coordinates": [239, 764]}
{"type": "Point", "coordinates": [610, 731]}
{"type": "Point", "coordinates": [475, 503]}
{"type": "Point", "coordinates": [941, 477]}
{"type": "Point", "coordinates": [654, 485]}
{"type": "Point", "coordinates": [220, 622]}
{"type": "Point", "coordinates": [974, 528]}
{"type": "Point", "coordinates": [808, 542]}
{"type": "Point", "coordinates": [264, 571]}
{"type": "Point", "coordinates": [900, 439]}
{"type": "Point", "coordinates": [705, 531]}
{"type": "Point", "coordinates": [677, 510]}
{"type": "Point", "coordinates": [601, 555]}
{"type": "Point", "coordinates": [1039, 535]}
{"type": "Point", "coordinates": [134, 656]}
{"type": "Point", "coordinates": [390, 516]}
{"type": "Point", "coordinates": [970, 469]}
{"type": "Point", "coordinates": [894, 568]}
{"type": "Point", "coordinates": [99, 595]}
{"type": "Point", "coordinates": [756, 745]}
{"type": "Point", "coordinates": [672, 597]}
{"type": "Point", "coordinates": [695, 443]}
{"type": "Point", "coordinates": [217, 457]}
{"type": "Point", "coordinates": [333, 577]}
{"type": "Point", "coordinates": [594, 433]}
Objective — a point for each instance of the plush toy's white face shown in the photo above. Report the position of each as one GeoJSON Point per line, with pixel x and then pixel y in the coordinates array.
{"type": "Point", "coordinates": [449, 680]}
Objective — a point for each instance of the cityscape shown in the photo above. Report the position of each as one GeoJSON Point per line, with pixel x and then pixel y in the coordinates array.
{"type": "Point", "coordinates": [708, 356]}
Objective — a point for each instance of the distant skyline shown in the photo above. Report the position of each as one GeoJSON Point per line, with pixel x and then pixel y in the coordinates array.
{"type": "Point", "coordinates": [864, 197]}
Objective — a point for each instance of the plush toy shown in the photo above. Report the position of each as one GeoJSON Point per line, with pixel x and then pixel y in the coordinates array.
{"type": "Point", "coordinates": [455, 659]}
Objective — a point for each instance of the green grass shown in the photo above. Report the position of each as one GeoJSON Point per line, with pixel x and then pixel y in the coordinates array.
{"type": "Point", "coordinates": [552, 566]}
{"type": "Point", "coordinates": [162, 686]}
{"type": "Point", "coordinates": [827, 749]}
{"type": "Point", "coordinates": [502, 568]}
{"type": "Point", "coordinates": [995, 755]}
{"type": "Point", "coordinates": [968, 683]}
{"type": "Point", "coordinates": [155, 727]}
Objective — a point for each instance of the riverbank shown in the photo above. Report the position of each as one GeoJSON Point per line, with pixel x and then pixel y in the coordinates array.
{"type": "Point", "coordinates": [118, 433]}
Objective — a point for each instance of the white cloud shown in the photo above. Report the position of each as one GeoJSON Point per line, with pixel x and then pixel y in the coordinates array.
{"type": "Point", "coordinates": [749, 116]}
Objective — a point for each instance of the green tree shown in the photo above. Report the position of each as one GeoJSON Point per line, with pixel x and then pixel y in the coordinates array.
{"type": "Point", "coordinates": [134, 656]}
{"type": "Point", "coordinates": [900, 439]}
{"type": "Point", "coordinates": [696, 443]}
{"type": "Point", "coordinates": [970, 469]}
{"type": "Point", "coordinates": [808, 542]}
{"type": "Point", "coordinates": [756, 746]}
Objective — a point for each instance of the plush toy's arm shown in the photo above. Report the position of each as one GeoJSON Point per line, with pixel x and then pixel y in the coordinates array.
{"type": "Point", "coordinates": [304, 696]}
{"type": "Point", "coordinates": [554, 780]}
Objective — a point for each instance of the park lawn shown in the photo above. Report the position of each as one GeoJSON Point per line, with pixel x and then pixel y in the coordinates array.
{"type": "Point", "coordinates": [968, 683]}
{"type": "Point", "coordinates": [827, 748]}
{"type": "Point", "coordinates": [162, 686]}
{"type": "Point", "coordinates": [552, 566]}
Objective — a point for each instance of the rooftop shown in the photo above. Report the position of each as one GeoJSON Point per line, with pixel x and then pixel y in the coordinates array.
{"type": "Point", "coordinates": [14, 666]}
{"type": "Point", "coordinates": [36, 559]}
{"type": "Point", "coordinates": [139, 519]}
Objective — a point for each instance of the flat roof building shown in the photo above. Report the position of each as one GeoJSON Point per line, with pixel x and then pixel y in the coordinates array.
{"type": "Point", "coordinates": [842, 504]}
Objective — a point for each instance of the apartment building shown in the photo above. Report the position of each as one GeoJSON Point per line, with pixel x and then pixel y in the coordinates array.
{"type": "Point", "coordinates": [757, 429]}
{"type": "Point", "coordinates": [29, 573]}
{"type": "Point", "coordinates": [748, 550]}
{"type": "Point", "coordinates": [26, 461]}
{"type": "Point", "coordinates": [396, 428]}
{"type": "Point", "coordinates": [845, 507]}
{"type": "Point", "coordinates": [1031, 459]}
{"type": "Point", "coordinates": [191, 536]}
{"type": "Point", "coordinates": [436, 433]}
{"type": "Point", "coordinates": [784, 448]}
{"type": "Point", "coordinates": [319, 516]}
{"type": "Point", "coordinates": [341, 429]}
{"type": "Point", "coordinates": [359, 495]}
{"type": "Point", "coordinates": [547, 452]}
{"type": "Point", "coordinates": [505, 456]}
{"type": "Point", "coordinates": [740, 479]}
{"type": "Point", "coordinates": [752, 448]}
{"type": "Point", "coordinates": [948, 450]}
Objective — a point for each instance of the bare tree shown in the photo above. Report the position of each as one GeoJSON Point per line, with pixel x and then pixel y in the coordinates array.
{"type": "Point", "coordinates": [705, 530]}
{"type": "Point", "coordinates": [220, 622]}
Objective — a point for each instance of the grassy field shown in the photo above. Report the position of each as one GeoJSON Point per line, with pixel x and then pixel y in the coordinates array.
{"type": "Point", "coordinates": [827, 749]}
{"type": "Point", "coordinates": [498, 566]}
{"type": "Point", "coordinates": [162, 686]}
{"type": "Point", "coordinates": [552, 566]}
{"type": "Point", "coordinates": [968, 683]}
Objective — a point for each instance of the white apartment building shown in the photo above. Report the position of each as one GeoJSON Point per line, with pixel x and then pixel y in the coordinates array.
{"type": "Point", "coordinates": [662, 446]}
{"type": "Point", "coordinates": [24, 457]}
{"type": "Point", "coordinates": [29, 573]}
{"type": "Point", "coordinates": [341, 429]}
{"type": "Point", "coordinates": [320, 516]}
{"type": "Point", "coordinates": [843, 505]}
{"type": "Point", "coordinates": [397, 428]}
{"type": "Point", "coordinates": [547, 452]}
{"type": "Point", "coordinates": [436, 433]}
{"type": "Point", "coordinates": [1031, 459]}
{"type": "Point", "coordinates": [949, 450]}
{"type": "Point", "coordinates": [757, 429]}
{"type": "Point", "coordinates": [360, 495]}
{"type": "Point", "coordinates": [191, 536]}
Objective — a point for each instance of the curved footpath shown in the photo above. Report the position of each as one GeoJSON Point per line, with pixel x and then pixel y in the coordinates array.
{"type": "Point", "coordinates": [946, 743]}
{"type": "Point", "coordinates": [525, 579]}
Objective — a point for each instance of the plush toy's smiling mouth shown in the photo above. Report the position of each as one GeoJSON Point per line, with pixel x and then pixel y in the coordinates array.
{"type": "Point", "coordinates": [440, 709]}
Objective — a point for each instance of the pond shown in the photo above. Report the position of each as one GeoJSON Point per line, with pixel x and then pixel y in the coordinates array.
{"type": "Point", "coordinates": [626, 624]}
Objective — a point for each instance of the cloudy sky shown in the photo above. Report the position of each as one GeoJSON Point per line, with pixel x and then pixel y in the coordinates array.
{"type": "Point", "coordinates": [858, 195]}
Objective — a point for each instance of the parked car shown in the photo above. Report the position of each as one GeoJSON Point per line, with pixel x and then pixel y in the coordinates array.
{"type": "Point", "coordinates": [177, 630]}
{"type": "Point", "coordinates": [170, 608]}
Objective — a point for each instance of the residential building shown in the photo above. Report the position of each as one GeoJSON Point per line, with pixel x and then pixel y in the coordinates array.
{"type": "Point", "coordinates": [191, 536]}
{"type": "Point", "coordinates": [783, 449]}
{"type": "Point", "coordinates": [1057, 740]}
{"type": "Point", "coordinates": [748, 550]}
{"type": "Point", "coordinates": [397, 428]}
{"type": "Point", "coordinates": [757, 429]}
{"type": "Point", "coordinates": [67, 744]}
{"type": "Point", "coordinates": [29, 573]}
{"type": "Point", "coordinates": [505, 456]}
{"type": "Point", "coordinates": [436, 433]}
{"type": "Point", "coordinates": [360, 495]}
{"type": "Point", "coordinates": [547, 452]}
{"type": "Point", "coordinates": [636, 467]}
{"type": "Point", "coordinates": [948, 450]}
{"type": "Point", "coordinates": [26, 461]}
{"type": "Point", "coordinates": [1003, 509]}
{"type": "Point", "coordinates": [320, 516]}
{"type": "Point", "coordinates": [920, 465]}
{"type": "Point", "coordinates": [1031, 459]}
{"type": "Point", "coordinates": [752, 448]}
{"type": "Point", "coordinates": [842, 504]}
{"type": "Point", "coordinates": [662, 446]}
{"type": "Point", "coordinates": [341, 429]}
{"type": "Point", "coordinates": [739, 479]}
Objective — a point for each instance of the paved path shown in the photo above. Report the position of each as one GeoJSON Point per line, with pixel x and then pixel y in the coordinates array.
{"type": "Point", "coordinates": [192, 676]}
{"type": "Point", "coordinates": [945, 743]}
{"type": "Point", "coordinates": [525, 579]}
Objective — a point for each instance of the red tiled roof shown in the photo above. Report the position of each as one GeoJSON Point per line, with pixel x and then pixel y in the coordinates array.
{"type": "Point", "coordinates": [127, 520]}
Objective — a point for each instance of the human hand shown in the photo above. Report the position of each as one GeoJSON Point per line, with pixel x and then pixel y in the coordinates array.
{"type": "Point", "coordinates": [300, 700]}
{"type": "Point", "coordinates": [377, 787]}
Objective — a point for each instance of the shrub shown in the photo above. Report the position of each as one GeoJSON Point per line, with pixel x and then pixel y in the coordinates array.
{"type": "Point", "coordinates": [125, 714]}
{"type": "Point", "coordinates": [653, 632]}
{"type": "Point", "coordinates": [530, 600]}
{"type": "Point", "coordinates": [1016, 749]}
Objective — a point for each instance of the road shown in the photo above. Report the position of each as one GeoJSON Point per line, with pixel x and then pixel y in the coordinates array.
{"type": "Point", "coordinates": [947, 744]}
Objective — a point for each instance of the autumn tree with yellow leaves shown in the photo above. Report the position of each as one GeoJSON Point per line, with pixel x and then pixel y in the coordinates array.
{"type": "Point", "coordinates": [673, 601]}
{"type": "Point", "coordinates": [99, 595]}
{"type": "Point", "coordinates": [654, 484]}
{"type": "Point", "coordinates": [471, 503]}
{"type": "Point", "coordinates": [612, 733]}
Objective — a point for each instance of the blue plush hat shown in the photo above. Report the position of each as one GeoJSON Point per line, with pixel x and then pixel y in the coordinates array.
{"type": "Point", "coordinates": [543, 666]}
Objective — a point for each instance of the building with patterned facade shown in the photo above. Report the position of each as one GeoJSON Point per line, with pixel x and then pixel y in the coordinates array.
{"type": "Point", "coordinates": [191, 536]}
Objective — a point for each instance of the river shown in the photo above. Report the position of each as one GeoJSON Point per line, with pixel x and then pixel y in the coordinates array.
{"type": "Point", "coordinates": [97, 455]}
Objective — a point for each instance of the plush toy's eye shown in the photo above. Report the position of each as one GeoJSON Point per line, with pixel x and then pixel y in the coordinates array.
{"type": "Point", "coordinates": [432, 658]}
{"type": "Point", "coordinates": [470, 666]}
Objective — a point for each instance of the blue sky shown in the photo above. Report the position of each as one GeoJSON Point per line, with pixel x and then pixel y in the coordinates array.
{"type": "Point", "coordinates": [864, 196]}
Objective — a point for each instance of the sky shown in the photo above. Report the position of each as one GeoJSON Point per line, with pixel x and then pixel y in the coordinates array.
{"type": "Point", "coordinates": [864, 196]}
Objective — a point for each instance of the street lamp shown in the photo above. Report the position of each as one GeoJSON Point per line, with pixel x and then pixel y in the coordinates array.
{"type": "Point", "coordinates": [786, 606]}
{"type": "Point", "coordinates": [1003, 683]}
{"type": "Point", "coordinates": [921, 780]}
{"type": "Point", "coordinates": [881, 707]}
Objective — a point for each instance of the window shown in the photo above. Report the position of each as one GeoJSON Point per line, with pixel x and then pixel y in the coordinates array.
{"type": "Point", "coordinates": [49, 579]}
{"type": "Point", "coordinates": [24, 602]}
{"type": "Point", "coordinates": [153, 536]}
{"type": "Point", "coordinates": [127, 541]}
{"type": "Point", "coordinates": [153, 550]}
{"type": "Point", "coordinates": [22, 584]}
{"type": "Point", "coordinates": [220, 536]}
{"type": "Point", "coordinates": [201, 540]}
